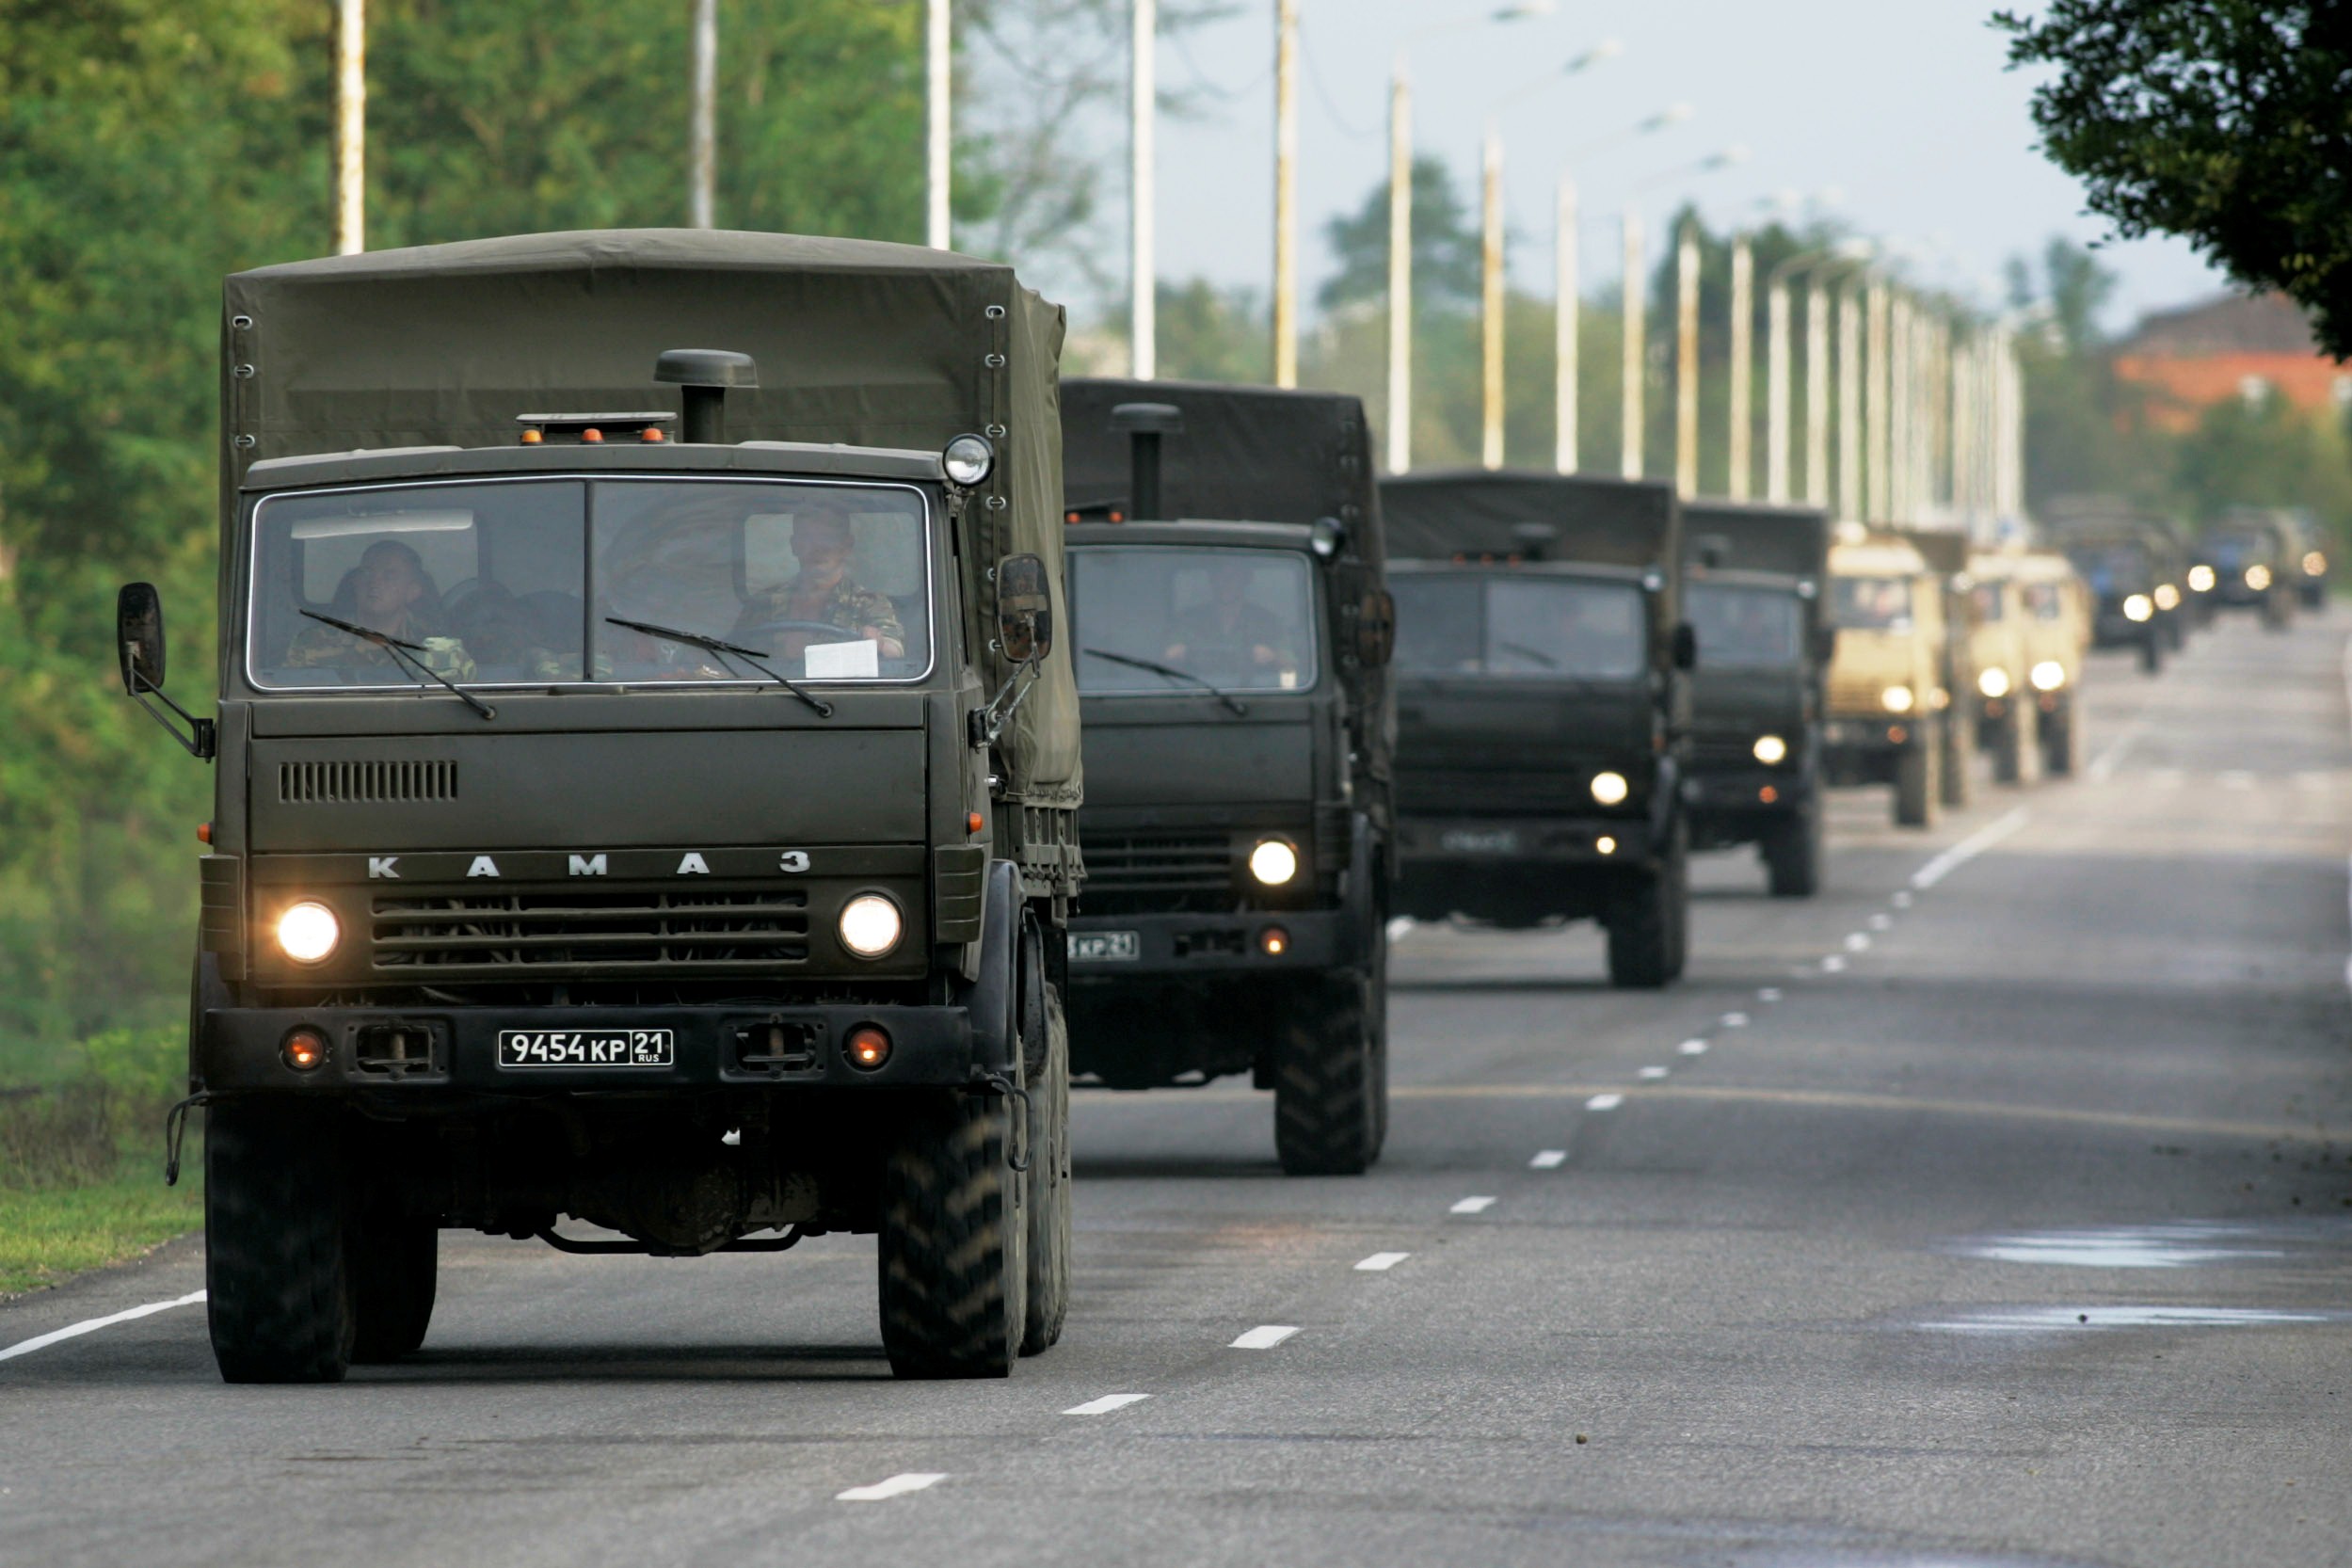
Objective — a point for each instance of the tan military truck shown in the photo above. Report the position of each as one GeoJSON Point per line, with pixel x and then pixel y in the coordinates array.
{"type": "Point", "coordinates": [2006, 720]}
{"type": "Point", "coordinates": [2057, 608]}
{"type": "Point", "coordinates": [1887, 689]}
{"type": "Point", "coordinates": [1946, 551]}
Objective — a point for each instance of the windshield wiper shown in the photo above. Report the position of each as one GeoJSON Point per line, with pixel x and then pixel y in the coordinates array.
{"type": "Point", "coordinates": [1156, 667]}
{"type": "Point", "coordinates": [405, 658]}
{"type": "Point", "coordinates": [1526, 652]}
{"type": "Point", "coordinates": [748, 655]}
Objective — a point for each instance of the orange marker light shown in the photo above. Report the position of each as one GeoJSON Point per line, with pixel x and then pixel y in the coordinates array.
{"type": "Point", "coordinates": [304, 1049]}
{"type": "Point", "coordinates": [972, 823]}
{"type": "Point", "coordinates": [1768, 794]}
{"type": "Point", "coordinates": [868, 1046]}
{"type": "Point", "coordinates": [651, 432]}
{"type": "Point", "coordinates": [1897, 735]}
{"type": "Point", "coordinates": [203, 833]}
{"type": "Point", "coordinates": [1274, 941]}
{"type": "Point", "coordinates": [592, 434]}
{"type": "Point", "coordinates": [532, 438]}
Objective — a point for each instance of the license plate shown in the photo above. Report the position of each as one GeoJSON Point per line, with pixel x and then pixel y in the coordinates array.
{"type": "Point", "coordinates": [586, 1047]}
{"type": "Point", "coordinates": [1105, 947]}
{"type": "Point", "coordinates": [1495, 840]}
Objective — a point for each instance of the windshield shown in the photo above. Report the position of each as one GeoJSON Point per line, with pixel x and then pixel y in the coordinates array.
{"type": "Point", "coordinates": [1239, 620]}
{"type": "Point", "coordinates": [2229, 551]}
{"type": "Point", "coordinates": [1745, 628]}
{"type": "Point", "coordinates": [511, 582]}
{"type": "Point", "coordinates": [2044, 602]}
{"type": "Point", "coordinates": [1990, 601]}
{"type": "Point", "coordinates": [1519, 626]}
{"type": "Point", "coordinates": [2112, 570]}
{"type": "Point", "coordinates": [1871, 603]}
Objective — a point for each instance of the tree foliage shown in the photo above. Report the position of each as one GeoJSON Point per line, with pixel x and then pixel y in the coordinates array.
{"type": "Point", "coordinates": [1446, 248]}
{"type": "Point", "coordinates": [2227, 122]}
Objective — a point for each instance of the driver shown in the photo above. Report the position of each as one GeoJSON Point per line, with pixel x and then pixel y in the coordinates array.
{"type": "Point", "coordinates": [388, 591]}
{"type": "Point", "coordinates": [1227, 621]}
{"type": "Point", "coordinates": [823, 591]}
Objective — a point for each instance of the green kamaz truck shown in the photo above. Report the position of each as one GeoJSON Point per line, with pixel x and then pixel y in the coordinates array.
{"type": "Point", "coordinates": [1543, 707]}
{"type": "Point", "coordinates": [647, 780]}
{"type": "Point", "coordinates": [1232, 630]}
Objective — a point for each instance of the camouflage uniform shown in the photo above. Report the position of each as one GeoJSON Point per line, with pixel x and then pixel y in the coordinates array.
{"type": "Point", "coordinates": [850, 607]}
{"type": "Point", "coordinates": [318, 645]}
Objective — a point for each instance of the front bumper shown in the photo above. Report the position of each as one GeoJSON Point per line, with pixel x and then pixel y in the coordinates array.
{"type": "Point", "coordinates": [444, 1049]}
{"type": "Point", "coordinates": [1871, 737]}
{"type": "Point", "coordinates": [1753, 790]}
{"type": "Point", "coordinates": [1169, 946]}
{"type": "Point", "coordinates": [1476, 844]}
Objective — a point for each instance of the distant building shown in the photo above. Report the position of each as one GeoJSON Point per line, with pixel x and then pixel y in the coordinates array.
{"type": "Point", "coordinates": [2235, 347]}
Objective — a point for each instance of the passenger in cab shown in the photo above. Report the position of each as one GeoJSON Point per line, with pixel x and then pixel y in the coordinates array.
{"type": "Point", "coordinates": [823, 590]}
{"type": "Point", "coordinates": [1228, 628]}
{"type": "Point", "coordinates": [391, 592]}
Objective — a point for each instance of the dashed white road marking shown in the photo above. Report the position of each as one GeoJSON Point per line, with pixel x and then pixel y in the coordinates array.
{"type": "Point", "coordinates": [2167, 779]}
{"type": "Point", "coordinates": [1549, 1159]}
{"type": "Point", "coordinates": [1472, 1206]}
{"type": "Point", "coordinates": [1857, 943]}
{"type": "Point", "coordinates": [90, 1325]}
{"type": "Point", "coordinates": [1833, 963]}
{"type": "Point", "coordinates": [1399, 925]}
{"type": "Point", "coordinates": [1968, 849]}
{"type": "Point", "coordinates": [881, 1491]}
{"type": "Point", "coordinates": [2237, 779]}
{"type": "Point", "coordinates": [1693, 1048]}
{"type": "Point", "coordinates": [1901, 901]}
{"type": "Point", "coordinates": [1651, 1072]}
{"type": "Point", "coordinates": [1769, 993]}
{"type": "Point", "coordinates": [1380, 1263]}
{"type": "Point", "coordinates": [1880, 923]}
{"type": "Point", "coordinates": [1110, 1402]}
{"type": "Point", "coordinates": [1735, 1020]}
{"type": "Point", "coordinates": [1264, 1339]}
{"type": "Point", "coordinates": [1605, 1102]}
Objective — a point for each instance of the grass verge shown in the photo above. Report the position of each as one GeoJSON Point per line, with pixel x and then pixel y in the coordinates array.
{"type": "Point", "coordinates": [51, 1234]}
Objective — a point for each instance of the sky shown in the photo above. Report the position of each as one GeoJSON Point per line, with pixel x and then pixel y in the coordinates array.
{"type": "Point", "coordinates": [1894, 117]}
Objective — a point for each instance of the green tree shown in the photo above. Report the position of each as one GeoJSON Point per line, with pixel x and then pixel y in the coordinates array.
{"type": "Point", "coordinates": [1212, 334]}
{"type": "Point", "coordinates": [1447, 249]}
{"type": "Point", "coordinates": [2264, 451]}
{"type": "Point", "coordinates": [2227, 123]}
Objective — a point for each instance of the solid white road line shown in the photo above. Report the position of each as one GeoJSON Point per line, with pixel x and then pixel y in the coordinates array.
{"type": "Point", "coordinates": [913, 1481]}
{"type": "Point", "coordinates": [1968, 849]}
{"type": "Point", "coordinates": [1549, 1159]}
{"type": "Point", "coordinates": [1472, 1206]}
{"type": "Point", "coordinates": [1651, 1072]}
{"type": "Point", "coordinates": [1108, 1404]}
{"type": "Point", "coordinates": [1693, 1048]}
{"type": "Point", "coordinates": [91, 1326]}
{"type": "Point", "coordinates": [1264, 1339]}
{"type": "Point", "coordinates": [1380, 1263]}
{"type": "Point", "coordinates": [1605, 1102]}
{"type": "Point", "coordinates": [2102, 767]}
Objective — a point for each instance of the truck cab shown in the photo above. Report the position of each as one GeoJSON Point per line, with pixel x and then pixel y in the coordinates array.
{"type": "Point", "coordinates": [2256, 556]}
{"type": "Point", "coordinates": [1887, 691]}
{"type": "Point", "coordinates": [2007, 719]}
{"type": "Point", "coordinates": [654, 814]}
{"type": "Point", "coordinates": [1543, 707]}
{"type": "Point", "coordinates": [2055, 607]}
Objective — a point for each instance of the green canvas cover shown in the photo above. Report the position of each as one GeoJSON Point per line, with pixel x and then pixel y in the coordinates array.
{"type": "Point", "coordinates": [1743, 536]}
{"type": "Point", "coordinates": [1436, 515]}
{"type": "Point", "coordinates": [856, 342]}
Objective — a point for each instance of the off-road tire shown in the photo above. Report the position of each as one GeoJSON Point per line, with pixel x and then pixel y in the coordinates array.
{"type": "Point", "coordinates": [2150, 655]}
{"type": "Point", "coordinates": [953, 1241]}
{"type": "Point", "coordinates": [1955, 776]}
{"type": "Point", "coordinates": [277, 1232]}
{"type": "Point", "coordinates": [2062, 740]}
{"type": "Point", "coordinates": [1792, 853]}
{"type": "Point", "coordinates": [1376, 1026]}
{"type": "Point", "coordinates": [1047, 1297]}
{"type": "Point", "coordinates": [395, 1266]}
{"type": "Point", "coordinates": [2016, 751]}
{"type": "Point", "coordinates": [1327, 1082]}
{"type": "Point", "coordinates": [1917, 803]}
{"type": "Point", "coordinates": [1649, 921]}
{"type": "Point", "coordinates": [2277, 611]}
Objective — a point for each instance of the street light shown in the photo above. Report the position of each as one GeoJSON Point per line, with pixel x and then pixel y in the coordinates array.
{"type": "Point", "coordinates": [350, 127]}
{"type": "Point", "coordinates": [1776, 464]}
{"type": "Point", "coordinates": [1636, 310]}
{"type": "Point", "coordinates": [1143, 264]}
{"type": "Point", "coordinates": [938, 62]}
{"type": "Point", "coordinates": [705, 145]}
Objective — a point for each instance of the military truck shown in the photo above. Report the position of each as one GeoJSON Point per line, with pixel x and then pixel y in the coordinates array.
{"type": "Point", "coordinates": [648, 776]}
{"type": "Point", "coordinates": [2007, 720]}
{"type": "Point", "coordinates": [2140, 578]}
{"type": "Point", "coordinates": [2312, 564]}
{"type": "Point", "coordinates": [1232, 632]}
{"type": "Point", "coordinates": [1753, 593]}
{"type": "Point", "coordinates": [1543, 707]}
{"type": "Point", "coordinates": [1955, 707]}
{"type": "Point", "coordinates": [2256, 559]}
{"type": "Point", "coordinates": [1887, 682]}
{"type": "Point", "coordinates": [2056, 628]}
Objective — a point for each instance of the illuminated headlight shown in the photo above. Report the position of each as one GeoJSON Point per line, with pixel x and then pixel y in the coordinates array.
{"type": "Point", "coordinates": [968, 459]}
{"type": "Point", "coordinates": [1895, 700]}
{"type": "Point", "coordinates": [308, 932]}
{"type": "Point", "coordinates": [2139, 606]}
{"type": "Point", "coordinates": [2258, 577]}
{"type": "Point", "coordinates": [1770, 750]}
{"type": "Point", "coordinates": [1994, 682]}
{"type": "Point", "coordinates": [1610, 788]}
{"type": "Point", "coordinates": [870, 925]}
{"type": "Point", "coordinates": [2168, 597]}
{"type": "Point", "coordinates": [1274, 862]}
{"type": "Point", "coordinates": [2202, 578]}
{"type": "Point", "coordinates": [2048, 676]}
{"type": "Point", "coordinates": [2313, 564]}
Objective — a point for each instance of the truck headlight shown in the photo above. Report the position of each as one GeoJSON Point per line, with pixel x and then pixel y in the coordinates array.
{"type": "Point", "coordinates": [308, 932]}
{"type": "Point", "coordinates": [870, 925]}
{"type": "Point", "coordinates": [2048, 676]}
{"type": "Point", "coordinates": [1770, 750]}
{"type": "Point", "coordinates": [1994, 682]}
{"type": "Point", "coordinates": [2313, 563]}
{"type": "Point", "coordinates": [1610, 787]}
{"type": "Point", "coordinates": [2258, 577]}
{"type": "Point", "coordinates": [2138, 607]}
{"type": "Point", "coordinates": [968, 459]}
{"type": "Point", "coordinates": [1274, 862]}
{"type": "Point", "coordinates": [2168, 597]}
{"type": "Point", "coordinates": [1897, 699]}
{"type": "Point", "coordinates": [2200, 578]}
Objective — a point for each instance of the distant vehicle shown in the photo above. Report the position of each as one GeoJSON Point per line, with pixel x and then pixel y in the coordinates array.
{"type": "Point", "coordinates": [2121, 558]}
{"type": "Point", "coordinates": [1888, 683]}
{"type": "Point", "coordinates": [2311, 566]}
{"type": "Point", "coordinates": [1233, 630]}
{"type": "Point", "coordinates": [664, 823]}
{"type": "Point", "coordinates": [1543, 707]}
{"type": "Point", "coordinates": [1755, 593]}
{"type": "Point", "coordinates": [2056, 609]}
{"type": "Point", "coordinates": [2256, 554]}
{"type": "Point", "coordinates": [2007, 720]}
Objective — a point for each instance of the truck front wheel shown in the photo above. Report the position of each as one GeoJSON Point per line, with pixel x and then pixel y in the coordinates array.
{"type": "Point", "coordinates": [2062, 738]}
{"type": "Point", "coordinates": [1916, 771]}
{"type": "Point", "coordinates": [1649, 921]}
{"type": "Point", "coordinates": [1792, 853]}
{"type": "Point", "coordinates": [394, 1264]}
{"type": "Point", "coordinates": [1327, 1081]}
{"type": "Point", "coordinates": [954, 1239]}
{"type": "Point", "coordinates": [1048, 1294]}
{"type": "Point", "coordinates": [278, 1275]}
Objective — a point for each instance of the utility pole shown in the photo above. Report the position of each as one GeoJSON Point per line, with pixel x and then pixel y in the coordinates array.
{"type": "Point", "coordinates": [1743, 349]}
{"type": "Point", "coordinates": [1687, 363]}
{"type": "Point", "coordinates": [1143, 267]}
{"type": "Point", "coordinates": [1564, 314]}
{"type": "Point", "coordinates": [1400, 270]}
{"type": "Point", "coordinates": [350, 127]}
{"type": "Point", "coordinates": [1776, 388]}
{"type": "Point", "coordinates": [1895, 442]}
{"type": "Point", "coordinates": [1817, 394]}
{"type": "Point", "coordinates": [705, 153]}
{"type": "Point", "coordinates": [1629, 389]}
{"type": "Point", "coordinates": [1876, 412]}
{"type": "Point", "coordinates": [1850, 495]}
{"type": "Point", "coordinates": [938, 126]}
{"type": "Point", "coordinates": [1491, 304]}
{"type": "Point", "coordinates": [1286, 193]}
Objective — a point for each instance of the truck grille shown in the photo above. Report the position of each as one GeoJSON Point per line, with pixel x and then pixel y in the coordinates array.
{"type": "Point", "coordinates": [1472, 791]}
{"type": "Point", "coordinates": [1856, 697]}
{"type": "Point", "coordinates": [1159, 863]}
{"type": "Point", "coordinates": [706, 931]}
{"type": "Point", "coordinates": [364, 783]}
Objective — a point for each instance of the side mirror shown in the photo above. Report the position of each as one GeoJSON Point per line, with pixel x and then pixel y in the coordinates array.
{"type": "Point", "coordinates": [1024, 608]}
{"type": "Point", "coordinates": [1686, 646]}
{"type": "Point", "coordinates": [138, 637]}
{"type": "Point", "coordinates": [1376, 629]}
{"type": "Point", "coordinates": [1824, 644]}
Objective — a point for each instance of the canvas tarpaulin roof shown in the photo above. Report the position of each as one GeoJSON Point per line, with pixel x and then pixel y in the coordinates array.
{"type": "Point", "coordinates": [1621, 522]}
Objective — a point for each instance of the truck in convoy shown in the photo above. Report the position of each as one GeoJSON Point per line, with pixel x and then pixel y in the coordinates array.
{"type": "Point", "coordinates": [2007, 720]}
{"type": "Point", "coordinates": [2056, 610]}
{"type": "Point", "coordinates": [2142, 583]}
{"type": "Point", "coordinates": [1232, 630]}
{"type": "Point", "coordinates": [1544, 706]}
{"type": "Point", "coordinates": [2256, 556]}
{"type": "Point", "coordinates": [2311, 540]}
{"type": "Point", "coordinates": [1955, 707]}
{"type": "Point", "coordinates": [647, 780]}
{"type": "Point", "coordinates": [1887, 687]}
{"type": "Point", "coordinates": [1753, 593]}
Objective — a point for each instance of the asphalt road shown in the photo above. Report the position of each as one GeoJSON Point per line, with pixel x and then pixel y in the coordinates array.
{"type": "Point", "coordinates": [1992, 1208]}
